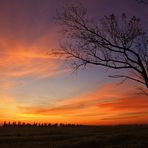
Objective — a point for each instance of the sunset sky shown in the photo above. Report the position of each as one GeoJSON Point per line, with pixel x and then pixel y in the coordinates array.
{"type": "Point", "coordinates": [35, 86]}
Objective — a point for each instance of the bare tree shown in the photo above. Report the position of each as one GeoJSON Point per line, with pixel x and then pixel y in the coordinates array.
{"type": "Point", "coordinates": [112, 42]}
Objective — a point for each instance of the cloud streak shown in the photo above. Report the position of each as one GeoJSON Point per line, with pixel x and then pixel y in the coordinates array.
{"type": "Point", "coordinates": [20, 59]}
{"type": "Point", "coordinates": [98, 107]}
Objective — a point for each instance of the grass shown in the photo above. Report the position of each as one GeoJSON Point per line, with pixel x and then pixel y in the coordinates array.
{"type": "Point", "coordinates": [129, 136]}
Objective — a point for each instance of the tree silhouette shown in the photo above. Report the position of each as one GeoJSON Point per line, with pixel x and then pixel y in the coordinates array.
{"type": "Point", "coordinates": [112, 42]}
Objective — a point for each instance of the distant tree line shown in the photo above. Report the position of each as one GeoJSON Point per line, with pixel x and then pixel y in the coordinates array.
{"type": "Point", "coordinates": [35, 124]}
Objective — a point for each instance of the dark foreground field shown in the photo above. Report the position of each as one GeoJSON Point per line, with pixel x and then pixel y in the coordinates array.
{"type": "Point", "coordinates": [74, 137]}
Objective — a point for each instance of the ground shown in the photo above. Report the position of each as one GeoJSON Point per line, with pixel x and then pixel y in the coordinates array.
{"type": "Point", "coordinates": [129, 136]}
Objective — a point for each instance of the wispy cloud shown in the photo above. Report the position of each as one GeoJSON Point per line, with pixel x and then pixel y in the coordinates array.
{"type": "Point", "coordinates": [8, 108]}
{"type": "Point", "coordinates": [21, 59]}
{"type": "Point", "coordinates": [102, 106]}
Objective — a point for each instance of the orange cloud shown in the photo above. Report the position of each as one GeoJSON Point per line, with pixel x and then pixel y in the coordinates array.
{"type": "Point", "coordinates": [9, 108]}
{"type": "Point", "coordinates": [105, 105]}
{"type": "Point", "coordinates": [127, 104]}
{"type": "Point", "coordinates": [19, 59]}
